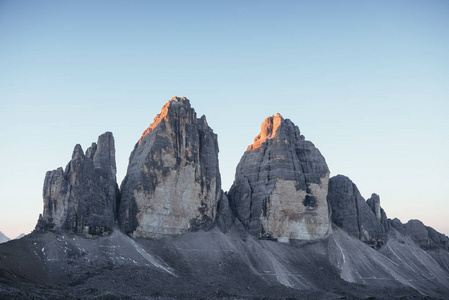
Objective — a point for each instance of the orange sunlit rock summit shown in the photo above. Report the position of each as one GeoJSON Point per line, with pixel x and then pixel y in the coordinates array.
{"type": "Point", "coordinates": [173, 182]}
{"type": "Point", "coordinates": [163, 115]}
{"type": "Point", "coordinates": [267, 130]}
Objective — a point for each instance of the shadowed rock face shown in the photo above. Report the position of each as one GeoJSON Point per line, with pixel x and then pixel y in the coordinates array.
{"type": "Point", "coordinates": [173, 183]}
{"type": "Point", "coordinates": [381, 216]}
{"type": "Point", "coordinates": [350, 212]}
{"type": "Point", "coordinates": [83, 198]}
{"type": "Point", "coordinates": [281, 184]}
{"type": "Point", "coordinates": [424, 236]}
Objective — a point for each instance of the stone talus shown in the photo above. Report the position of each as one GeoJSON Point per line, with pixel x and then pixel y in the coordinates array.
{"type": "Point", "coordinates": [281, 184]}
{"type": "Point", "coordinates": [173, 183]}
{"type": "Point", "coordinates": [83, 198]}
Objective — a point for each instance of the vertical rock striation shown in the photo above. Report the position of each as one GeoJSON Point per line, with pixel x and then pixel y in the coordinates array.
{"type": "Point", "coordinates": [173, 183]}
{"type": "Point", "coordinates": [83, 197]}
{"type": "Point", "coordinates": [281, 184]}
{"type": "Point", "coordinates": [363, 220]}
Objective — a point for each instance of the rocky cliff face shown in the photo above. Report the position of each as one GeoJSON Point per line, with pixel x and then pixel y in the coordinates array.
{"type": "Point", "coordinates": [83, 197]}
{"type": "Point", "coordinates": [363, 220]}
{"type": "Point", "coordinates": [381, 216]}
{"type": "Point", "coordinates": [281, 184]}
{"type": "Point", "coordinates": [173, 183]}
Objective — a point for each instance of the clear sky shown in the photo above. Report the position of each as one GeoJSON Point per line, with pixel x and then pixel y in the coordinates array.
{"type": "Point", "coordinates": [366, 81]}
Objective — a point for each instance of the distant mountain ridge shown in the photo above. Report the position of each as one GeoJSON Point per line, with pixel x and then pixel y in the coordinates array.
{"type": "Point", "coordinates": [3, 238]}
{"type": "Point", "coordinates": [20, 236]}
{"type": "Point", "coordinates": [285, 229]}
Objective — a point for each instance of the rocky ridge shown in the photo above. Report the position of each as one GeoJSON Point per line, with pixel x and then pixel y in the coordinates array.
{"type": "Point", "coordinates": [424, 236]}
{"type": "Point", "coordinates": [173, 185]}
{"type": "Point", "coordinates": [172, 196]}
{"type": "Point", "coordinates": [82, 198]}
{"type": "Point", "coordinates": [364, 220]}
{"type": "Point", "coordinates": [368, 222]}
{"type": "Point", "coordinates": [281, 184]}
{"type": "Point", "coordinates": [3, 238]}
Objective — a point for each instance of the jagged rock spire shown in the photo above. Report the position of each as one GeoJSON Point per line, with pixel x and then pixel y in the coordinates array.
{"type": "Point", "coordinates": [83, 198]}
{"type": "Point", "coordinates": [173, 183]}
{"type": "Point", "coordinates": [365, 221]}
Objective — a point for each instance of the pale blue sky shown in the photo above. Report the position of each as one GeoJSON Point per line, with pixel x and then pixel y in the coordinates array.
{"type": "Point", "coordinates": [366, 81]}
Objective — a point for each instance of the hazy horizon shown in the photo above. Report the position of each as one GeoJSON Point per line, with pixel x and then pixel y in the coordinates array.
{"type": "Point", "coordinates": [365, 82]}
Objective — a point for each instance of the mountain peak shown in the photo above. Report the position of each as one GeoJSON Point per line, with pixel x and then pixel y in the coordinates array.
{"type": "Point", "coordinates": [273, 127]}
{"type": "Point", "coordinates": [173, 182]}
{"type": "Point", "coordinates": [3, 238]}
{"type": "Point", "coordinates": [179, 99]}
{"type": "Point", "coordinates": [268, 130]}
{"type": "Point", "coordinates": [174, 104]}
{"type": "Point", "coordinates": [280, 185]}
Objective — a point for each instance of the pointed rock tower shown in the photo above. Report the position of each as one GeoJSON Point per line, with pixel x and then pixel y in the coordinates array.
{"type": "Point", "coordinates": [173, 183]}
{"type": "Point", "coordinates": [364, 220]}
{"type": "Point", "coordinates": [83, 198]}
{"type": "Point", "coordinates": [280, 185]}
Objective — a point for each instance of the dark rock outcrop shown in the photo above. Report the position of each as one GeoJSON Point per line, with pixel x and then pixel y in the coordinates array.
{"type": "Point", "coordinates": [281, 184]}
{"type": "Point", "coordinates": [424, 236]}
{"type": "Point", "coordinates": [83, 198]}
{"type": "Point", "coordinates": [368, 222]}
{"type": "Point", "coordinates": [397, 225]}
{"type": "Point", "coordinates": [225, 216]}
{"type": "Point", "coordinates": [173, 183]}
{"type": "Point", "coordinates": [381, 216]}
{"type": "Point", "coordinates": [350, 212]}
